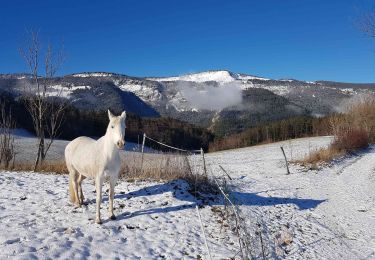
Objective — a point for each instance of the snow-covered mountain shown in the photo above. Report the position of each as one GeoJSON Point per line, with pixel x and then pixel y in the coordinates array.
{"type": "Point", "coordinates": [220, 76]}
{"type": "Point", "coordinates": [209, 98]}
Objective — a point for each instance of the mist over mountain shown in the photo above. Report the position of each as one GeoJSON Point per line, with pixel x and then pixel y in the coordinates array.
{"type": "Point", "coordinates": [222, 101]}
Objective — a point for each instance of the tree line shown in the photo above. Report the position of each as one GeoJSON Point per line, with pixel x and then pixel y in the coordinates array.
{"type": "Point", "coordinates": [295, 127]}
{"type": "Point", "coordinates": [91, 123]}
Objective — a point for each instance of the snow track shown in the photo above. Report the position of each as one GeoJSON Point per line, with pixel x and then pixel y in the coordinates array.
{"type": "Point", "coordinates": [329, 213]}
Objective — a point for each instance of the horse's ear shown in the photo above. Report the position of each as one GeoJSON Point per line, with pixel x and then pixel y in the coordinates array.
{"type": "Point", "coordinates": [110, 115]}
{"type": "Point", "coordinates": [123, 115]}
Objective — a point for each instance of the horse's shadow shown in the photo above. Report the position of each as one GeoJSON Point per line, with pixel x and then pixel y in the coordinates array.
{"type": "Point", "coordinates": [179, 190]}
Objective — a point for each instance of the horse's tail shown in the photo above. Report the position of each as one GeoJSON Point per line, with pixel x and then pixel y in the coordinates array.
{"type": "Point", "coordinates": [72, 174]}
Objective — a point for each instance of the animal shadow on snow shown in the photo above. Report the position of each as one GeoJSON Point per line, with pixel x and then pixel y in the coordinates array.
{"type": "Point", "coordinates": [179, 190]}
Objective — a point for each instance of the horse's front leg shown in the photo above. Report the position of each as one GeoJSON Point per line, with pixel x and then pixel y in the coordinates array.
{"type": "Point", "coordinates": [112, 183]}
{"type": "Point", "coordinates": [98, 185]}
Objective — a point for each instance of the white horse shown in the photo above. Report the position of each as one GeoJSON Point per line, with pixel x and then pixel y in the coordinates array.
{"type": "Point", "coordinates": [97, 159]}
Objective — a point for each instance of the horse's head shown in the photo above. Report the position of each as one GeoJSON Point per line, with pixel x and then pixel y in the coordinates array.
{"type": "Point", "coordinates": [116, 129]}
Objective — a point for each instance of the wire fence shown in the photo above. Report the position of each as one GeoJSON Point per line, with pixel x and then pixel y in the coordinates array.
{"type": "Point", "coordinates": [252, 234]}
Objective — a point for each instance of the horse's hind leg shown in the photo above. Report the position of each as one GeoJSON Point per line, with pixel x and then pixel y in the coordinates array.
{"type": "Point", "coordinates": [79, 182]}
{"type": "Point", "coordinates": [73, 185]}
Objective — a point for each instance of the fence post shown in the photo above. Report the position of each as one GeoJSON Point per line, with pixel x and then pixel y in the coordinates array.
{"type": "Point", "coordinates": [204, 162]}
{"type": "Point", "coordinates": [286, 161]}
{"type": "Point", "coordinates": [143, 141]}
{"type": "Point", "coordinates": [221, 167]}
{"type": "Point", "coordinates": [143, 146]}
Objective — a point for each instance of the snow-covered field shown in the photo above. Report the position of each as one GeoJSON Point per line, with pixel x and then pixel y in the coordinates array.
{"type": "Point", "coordinates": [154, 220]}
{"type": "Point", "coordinates": [26, 146]}
{"type": "Point", "coordinates": [328, 214]}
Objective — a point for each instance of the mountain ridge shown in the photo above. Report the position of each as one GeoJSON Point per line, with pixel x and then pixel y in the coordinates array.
{"type": "Point", "coordinates": [108, 74]}
{"type": "Point", "coordinates": [220, 100]}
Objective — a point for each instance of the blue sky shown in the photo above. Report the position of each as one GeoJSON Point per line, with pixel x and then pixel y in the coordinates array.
{"type": "Point", "coordinates": [307, 40]}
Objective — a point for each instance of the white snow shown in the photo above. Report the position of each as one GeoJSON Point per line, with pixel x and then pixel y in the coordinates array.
{"type": "Point", "coordinates": [63, 91]}
{"type": "Point", "coordinates": [279, 90]}
{"type": "Point", "coordinates": [286, 80]}
{"type": "Point", "coordinates": [144, 92]}
{"type": "Point", "coordinates": [92, 74]}
{"type": "Point", "coordinates": [249, 77]}
{"type": "Point", "coordinates": [325, 214]}
{"type": "Point", "coordinates": [220, 76]}
{"type": "Point", "coordinates": [349, 91]}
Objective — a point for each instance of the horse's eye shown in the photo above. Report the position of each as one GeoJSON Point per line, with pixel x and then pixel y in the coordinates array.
{"type": "Point", "coordinates": [112, 126]}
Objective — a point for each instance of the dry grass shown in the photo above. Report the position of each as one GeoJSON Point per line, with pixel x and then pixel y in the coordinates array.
{"type": "Point", "coordinates": [166, 167]}
{"type": "Point", "coordinates": [320, 156]}
{"type": "Point", "coordinates": [154, 166]}
{"type": "Point", "coordinates": [57, 166]}
{"type": "Point", "coordinates": [352, 131]}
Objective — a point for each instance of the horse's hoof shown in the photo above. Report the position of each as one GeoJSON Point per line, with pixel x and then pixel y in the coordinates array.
{"type": "Point", "coordinates": [98, 221]}
{"type": "Point", "coordinates": [113, 217]}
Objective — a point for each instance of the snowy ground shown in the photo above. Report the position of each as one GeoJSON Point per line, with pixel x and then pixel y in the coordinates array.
{"type": "Point", "coordinates": [154, 220]}
{"type": "Point", "coordinates": [329, 214]}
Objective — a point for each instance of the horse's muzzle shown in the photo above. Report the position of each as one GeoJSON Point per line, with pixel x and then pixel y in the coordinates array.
{"type": "Point", "coordinates": [120, 144]}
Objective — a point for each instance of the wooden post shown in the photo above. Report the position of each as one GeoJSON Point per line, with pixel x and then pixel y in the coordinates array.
{"type": "Point", "coordinates": [221, 167]}
{"type": "Point", "coordinates": [286, 161]}
{"type": "Point", "coordinates": [204, 162]}
{"type": "Point", "coordinates": [143, 142]}
{"type": "Point", "coordinates": [143, 146]}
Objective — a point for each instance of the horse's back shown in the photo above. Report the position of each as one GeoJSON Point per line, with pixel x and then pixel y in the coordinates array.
{"type": "Point", "coordinates": [78, 144]}
{"type": "Point", "coordinates": [78, 151]}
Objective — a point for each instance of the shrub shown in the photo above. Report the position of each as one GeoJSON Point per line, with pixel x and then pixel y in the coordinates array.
{"type": "Point", "coordinates": [322, 155]}
{"type": "Point", "coordinates": [352, 140]}
{"type": "Point", "coordinates": [353, 130]}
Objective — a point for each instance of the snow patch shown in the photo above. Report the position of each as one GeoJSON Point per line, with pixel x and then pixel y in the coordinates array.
{"type": "Point", "coordinates": [144, 92]}
{"type": "Point", "coordinates": [249, 77]}
{"type": "Point", "coordinates": [64, 91]}
{"type": "Point", "coordinates": [349, 91]}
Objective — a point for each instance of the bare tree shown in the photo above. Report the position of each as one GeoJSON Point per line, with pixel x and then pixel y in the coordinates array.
{"type": "Point", "coordinates": [7, 124]}
{"type": "Point", "coordinates": [44, 103]}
